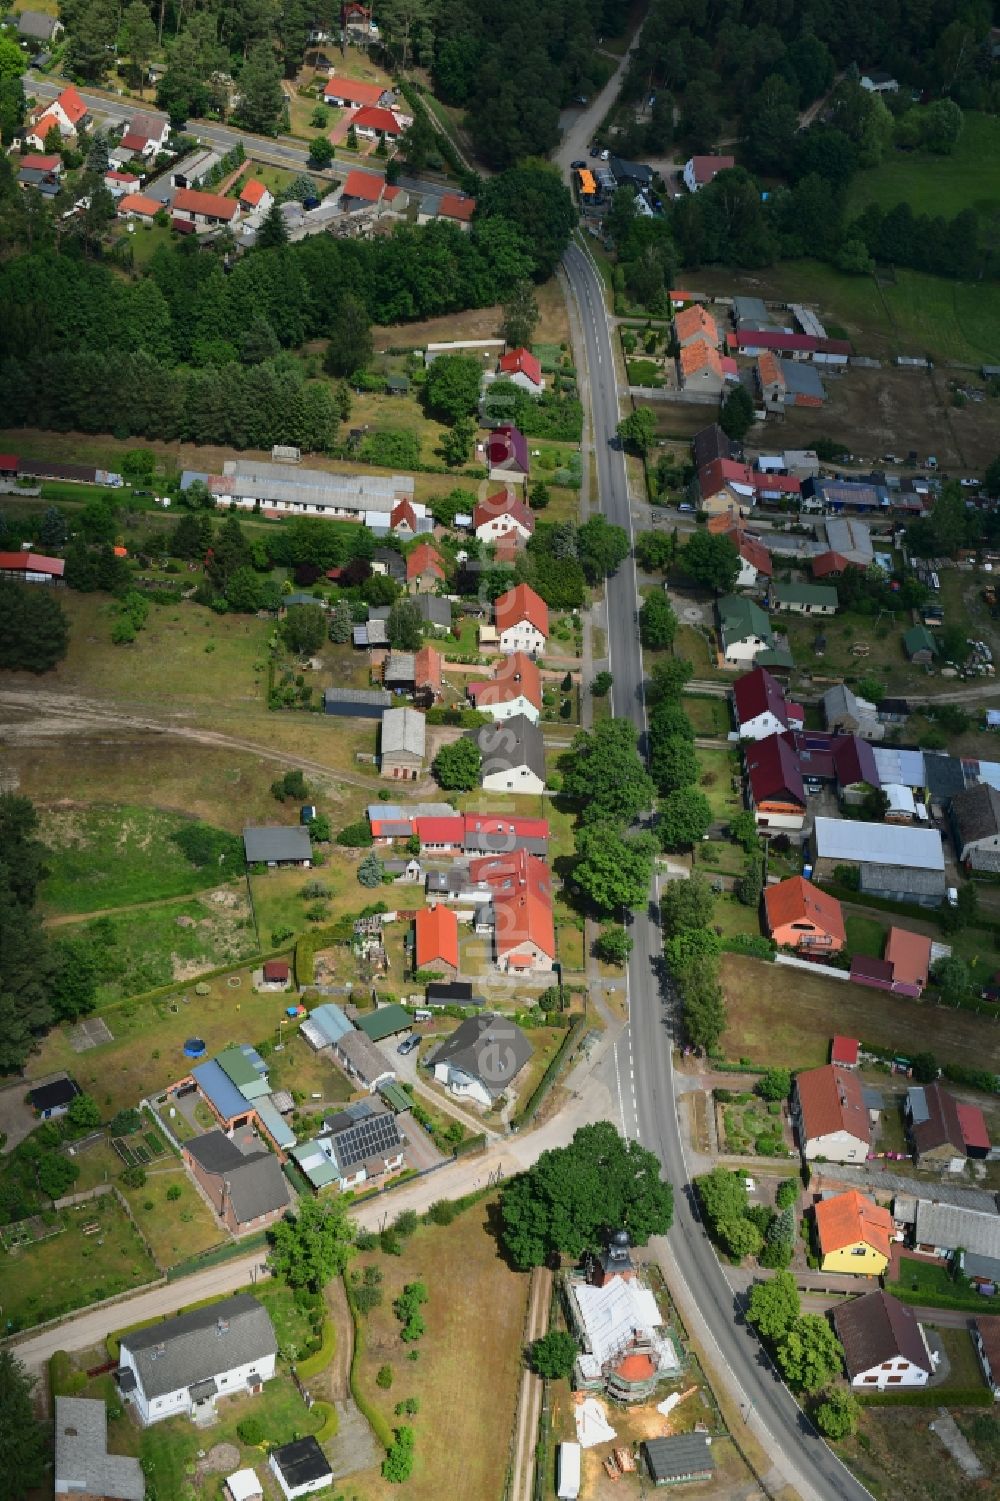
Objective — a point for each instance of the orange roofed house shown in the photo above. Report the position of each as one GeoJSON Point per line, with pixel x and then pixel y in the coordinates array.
{"type": "Point", "coordinates": [67, 113]}
{"type": "Point", "coordinates": [522, 621]}
{"type": "Point", "coordinates": [701, 367]}
{"type": "Point", "coordinates": [854, 1234]}
{"type": "Point", "coordinates": [424, 569]}
{"type": "Point", "coordinates": [515, 688]}
{"type": "Point", "coordinates": [830, 1116]}
{"type": "Point", "coordinates": [203, 210]}
{"type": "Point", "coordinates": [503, 515]}
{"type": "Point", "coordinates": [800, 916]}
{"type": "Point", "coordinates": [695, 323]}
{"type": "Point", "coordinates": [436, 948]}
{"type": "Point", "coordinates": [524, 938]}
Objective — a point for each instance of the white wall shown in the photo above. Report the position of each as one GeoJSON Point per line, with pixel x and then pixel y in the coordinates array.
{"type": "Point", "coordinates": [522, 637]}
{"type": "Point", "coordinates": [517, 779]}
{"type": "Point", "coordinates": [839, 1146]}
{"type": "Point", "coordinates": [154, 1410]}
{"type": "Point", "coordinates": [461, 1084]}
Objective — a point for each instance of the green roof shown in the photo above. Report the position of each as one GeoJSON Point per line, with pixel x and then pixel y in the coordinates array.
{"type": "Point", "coordinates": [919, 638]}
{"type": "Point", "coordinates": [805, 594]}
{"type": "Point", "coordinates": [740, 618]}
{"type": "Point", "coordinates": [774, 656]}
{"type": "Point", "coordinates": [395, 1096]}
{"type": "Point", "coordinates": [384, 1022]}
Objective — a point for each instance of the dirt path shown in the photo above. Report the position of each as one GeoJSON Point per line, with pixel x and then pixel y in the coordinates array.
{"type": "Point", "coordinates": [529, 1401]}
{"type": "Point", "coordinates": [64, 918]}
{"type": "Point", "coordinates": [336, 1379]}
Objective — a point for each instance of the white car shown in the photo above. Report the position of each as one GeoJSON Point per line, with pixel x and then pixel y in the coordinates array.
{"type": "Point", "coordinates": [952, 896]}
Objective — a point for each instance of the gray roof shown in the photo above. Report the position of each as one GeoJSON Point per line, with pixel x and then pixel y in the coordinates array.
{"type": "Point", "coordinates": [876, 1328]}
{"type": "Point", "coordinates": [877, 877]}
{"type": "Point", "coordinates": [198, 1346]}
{"type": "Point", "coordinates": [276, 843]}
{"type": "Point", "coordinates": [851, 538]}
{"type": "Point", "coordinates": [840, 702]}
{"type": "Point", "coordinates": [976, 814]}
{"type": "Point", "coordinates": [261, 480]}
{"type": "Point", "coordinates": [393, 561]}
{"type": "Point", "coordinates": [681, 1454]}
{"type": "Point", "coordinates": [375, 698]}
{"type": "Point", "coordinates": [950, 1226]}
{"type": "Point", "coordinates": [433, 610]}
{"type": "Point", "coordinates": [400, 667]}
{"type": "Point", "coordinates": [82, 1460]}
{"type": "Point", "coordinates": [801, 378]}
{"type": "Point", "coordinates": [404, 731]}
{"type": "Point", "coordinates": [945, 774]}
{"type": "Point", "coordinates": [512, 743]}
{"type": "Point", "coordinates": [884, 844]}
{"type": "Point", "coordinates": [302, 1462]}
{"type": "Point", "coordinates": [490, 1048]}
{"type": "Point", "coordinates": [751, 308]}
{"type": "Point", "coordinates": [364, 1057]}
{"type": "Point", "coordinates": [33, 23]}
{"type": "Point", "coordinates": [255, 1183]}
{"type": "Point", "coordinates": [902, 768]}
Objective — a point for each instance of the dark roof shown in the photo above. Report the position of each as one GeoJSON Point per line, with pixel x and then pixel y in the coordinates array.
{"type": "Point", "coordinates": [854, 761]}
{"type": "Point", "coordinates": [976, 814]}
{"type": "Point", "coordinates": [375, 697]}
{"type": "Point", "coordinates": [625, 171]}
{"type": "Point", "coordinates": [384, 1021]}
{"type": "Point", "coordinates": [393, 561]}
{"type": "Point", "coordinates": [433, 610]}
{"type": "Point", "coordinates": [676, 1457]}
{"type": "Point", "coordinates": [757, 692]}
{"type": "Point", "coordinates": [302, 1462]}
{"type": "Point", "coordinates": [512, 743]}
{"type": "Point", "coordinates": [51, 1096]}
{"type": "Point", "coordinates": [711, 444]}
{"type": "Point", "coordinates": [773, 771]}
{"type": "Point", "coordinates": [893, 706]}
{"type": "Point", "coordinates": [196, 1346]}
{"type": "Point", "coordinates": [944, 774]}
{"type": "Point", "coordinates": [276, 843]}
{"type": "Point", "coordinates": [451, 993]}
{"type": "Point", "coordinates": [254, 1181]}
{"type": "Point", "coordinates": [361, 1134]}
{"type": "Point", "coordinates": [942, 1126]}
{"type": "Point", "coordinates": [878, 877]}
{"type": "Point", "coordinates": [489, 1047]}
{"type": "Point", "coordinates": [877, 1328]}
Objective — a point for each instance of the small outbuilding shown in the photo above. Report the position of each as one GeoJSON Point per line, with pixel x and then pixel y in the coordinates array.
{"type": "Point", "coordinates": [300, 1468]}
{"type": "Point", "coordinates": [680, 1459]}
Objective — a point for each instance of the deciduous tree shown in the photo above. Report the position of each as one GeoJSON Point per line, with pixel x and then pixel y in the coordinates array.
{"type": "Point", "coordinates": [314, 1245]}
{"type": "Point", "coordinates": [605, 775]}
{"type": "Point", "coordinates": [456, 766]}
{"type": "Point", "coordinates": [686, 904]}
{"type": "Point", "coordinates": [711, 560]}
{"type": "Point", "coordinates": [685, 818]}
{"type": "Point", "coordinates": [613, 871]}
{"type": "Point", "coordinates": [657, 622]}
{"type": "Point", "coordinates": [774, 1307]}
{"type": "Point", "coordinates": [809, 1353]}
{"type": "Point", "coordinates": [554, 1355]}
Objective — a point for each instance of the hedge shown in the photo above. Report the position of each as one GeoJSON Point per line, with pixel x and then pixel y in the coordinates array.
{"type": "Point", "coordinates": [331, 1421]}
{"type": "Point", "coordinates": [377, 1421]}
{"type": "Point", "coordinates": [924, 1297]}
{"type": "Point", "coordinates": [320, 1359]}
{"type": "Point", "coordinates": [545, 1083]}
{"type": "Point", "coordinates": [470, 1144]}
{"type": "Point", "coordinates": [937, 1396]}
{"type": "Point", "coordinates": [217, 1256]}
{"type": "Point", "coordinates": [753, 944]}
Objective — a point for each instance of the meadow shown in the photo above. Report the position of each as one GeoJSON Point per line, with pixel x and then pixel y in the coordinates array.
{"type": "Point", "coordinates": [934, 184]}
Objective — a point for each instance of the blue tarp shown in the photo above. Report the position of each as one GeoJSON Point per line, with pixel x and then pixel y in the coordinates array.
{"type": "Point", "coordinates": [220, 1091]}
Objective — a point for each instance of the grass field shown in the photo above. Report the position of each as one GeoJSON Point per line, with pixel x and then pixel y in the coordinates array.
{"type": "Point", "coordinates": [896, 1454]}
{"type": "Point", "coordinates": [938, 185]}
{"type": "Point", "coordinates": [865, 935]}
{"type": "Point", "coordinates": [110, 856]}
{"type": "Point", "coordinates": [715, 781]}
{"type": "Point", "coordinates": [709, 716]}
{"type": "Point", "coordinates": [71, 1269]}
{"type": "Point", "coordinates": [474, 1320]}
{"type": "Point", "coordinates": [174, 1229]}
{"type": "Point", "coordinates": [785, 1017]}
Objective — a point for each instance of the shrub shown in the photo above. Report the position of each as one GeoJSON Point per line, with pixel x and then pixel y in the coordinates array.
{"type": "Point", "coordinates": [384, 1377]}
{"type": "Point", "coordinates": [174, 1192]}
{"type": "Point", "coordinates": [251, 1431]}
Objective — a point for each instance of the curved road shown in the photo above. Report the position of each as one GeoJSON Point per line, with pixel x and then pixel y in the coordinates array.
{"type": "Point", "coordinates": [799, 1456]}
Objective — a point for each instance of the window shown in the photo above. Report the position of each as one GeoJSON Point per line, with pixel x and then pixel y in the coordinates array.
{"type": "Point", "coordinates": [869, 1380]}
{"type": "Point", "coordinates": [895, 1380]}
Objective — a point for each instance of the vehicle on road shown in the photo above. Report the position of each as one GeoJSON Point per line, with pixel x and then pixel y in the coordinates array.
{"type": "Point", "coordinates": [408, 1043]}
{"type": "Point", "coordinates": [578, 165]}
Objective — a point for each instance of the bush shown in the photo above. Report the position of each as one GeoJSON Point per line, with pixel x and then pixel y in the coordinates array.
{"type": "Point", "coordinates": [134, 1176]}
{"type": "Point", "coordinates": [384, 1377]}
{"type": "Point", "coordinates": [251, 1431]}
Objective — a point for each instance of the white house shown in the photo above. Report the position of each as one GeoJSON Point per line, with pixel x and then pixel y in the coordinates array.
{"type": "Point", "coordinates": [524, 369]}
{"type": "Point", "coordinates": [503, 515]}
{"type": "Point", "coordinates": [884, 1344]}
{"type": "Point", "coordinates": [875, 81]}
{"type": "Point", "coordinates": [522, 620]}
{"type": "Point", "coordinates": [146, 135]}
{"type": "Point", "coordinates": [830, 1116]}
{"type": "Point", "coordinates": [512, 756]}
{"type": "Point", "coordinates": [481, 1058]}
{"type": "Point", "coordinates": [699, 171]}
{"type": "Point", "coordinates": [184, 1364]}
{"type": "Point", "coordinates": [515, 688]}
{"type": "Point", "coordinates": [761, 708]}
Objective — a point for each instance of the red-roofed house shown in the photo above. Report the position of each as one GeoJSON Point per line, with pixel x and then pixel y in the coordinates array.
{"type": "Point", "coordinates": [376, 123]}
{"type": "Point", "coordinates": [905, 968]}
{"type": "Point", "coordinates": [347, 93]}
{"type": "Point", "coordinates": [800, 916]}
{"type": "Point", "coordinates": [31, 567]}
{"type": "Point", "coordinates": [522, 621]}
{"type": "Point", "coordinates": [138, 206]}
{"type": "Point", "coordinates": [830, 1116]}
{"type": "Point", "coordinates": [725, 483]}
{"type": "Point", "coordinates": [503, 515]}
{"type": "Point", "coordinates": [436, 948]}
{"type": "Point", "coordinates": [68, 112]}
{"type": "Point", "coordinates": [37, 134]}
{"type": "Point", "coordinates": [771, 382]}
{"type": "Point", "coordinates": [403, 519]}
{"type": "Point", "coordinates": [362, 187]}
{"type": "Point", "coordinates": [699, 171]}
{"type": "Point", "coordinates": [428, 676]}
{"type": "Point", "coordinates": [774, 781]}
{"type": "Point", "coordinates": [507, 454]}
{"type": "Point", "coordinates": [35, 162]}
{"type": "Point", "coordinates": [695, 323]}
{"type": "Point", "coordinates": [701, 367]}
{"type": "Point", "coordinates": [762, 708]}
{"type": "Point", "coordinates": [145, 135]}
{"type": "Point", "coordinates": [845, 1051]}
{"type": "Point", "coordinates": [119, 183]}
{"type": "Point", "coordinates": [515, 688]}
{"type": "Point", "coordinates": [424, 569]}
{"type": "Point", "coordinates": [255, 197]}
{"type": "Point", "coordinates": [755, 560]}
{"type": "Point", "coordinates": [830, 565]}
{"type": "Point", "coordinates": [524, 938]}
{"type": "Point", "coordinates": [457, 207]}
{"type": "Point", "coordinates": [203, 210]}
{"type": "Point", "coordinates": [974, 1130]}
{"type": "Point", "coordinates": [524, 369]}
{"type": "Point", "coordinates": [9, 465]}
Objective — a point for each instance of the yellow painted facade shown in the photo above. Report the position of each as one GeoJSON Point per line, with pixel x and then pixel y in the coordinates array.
{"type": "Point", "coordinates": [857, 1260]}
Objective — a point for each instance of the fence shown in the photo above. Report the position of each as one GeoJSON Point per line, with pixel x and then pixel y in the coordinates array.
{"type": "Point", "coordinates": [793, 963]}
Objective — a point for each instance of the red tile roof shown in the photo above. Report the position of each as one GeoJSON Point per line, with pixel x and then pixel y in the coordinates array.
{"type": "Point", "coordinates": [769, 371]}
{"type": "Point", "coordinates": [436, 937]}
{"type": "Point", "coordinates": [851, 1219]}
{"type": "Point", "coordinates": [123, 177]}
{"type": "Point", "coordinates": [440, 830]}
{"type": "Point", "coordinates": [402, 512]}
{"type": "Point", "coordinates": [515, 677]}
{"type": "Point", "coordinates": [705, 167]}
{"type": "Point", "coordinates": [354, 90]}
{"type": "Point", "coordinates": [427, 668]}
{"type": "Point", "coordinates": [714, 477]}
{"type": "Point", "coordinates": [757, 693]}
{"type": "Point", "coordinates": [214, 205]}
{"type": "Point", "coordinates": [492, 824]}
{"type": "Point", "coordinates": [522, 900]}
{"type": "Point", "coordinates": [372, 117]}
{"type": "Point", "coordinates": [44, 125]}
{"type": "Point", "coordinates": [253, 192]}
{"type": "Point", "coordinates": [38, 163]}
{"type": "Point", "coordinates": [364, 185]}
{"type": "Point", "coordinates": [831, 1100]}
{"type": "Point", "coordinates": [424, 559]}
{"type": "Point", "coordinates": [503, 503]}
{"type": "Point", "coordinates": [798, 900]}
{"type": "Point", "coordinates": [695, 321]}
{"type": "Point", "coordinates": [989, 1332]}
{"type": "Point", "coordinates": [138, 203]}
{"type": "Point", "coordinates": [457, 206]}
{"type": "Point", "coordinates": [910, 956]}
{"type": "Point", "coordinates": [827, 563]}
{"type": "Point", "coordinates": [133, 141]}
{"type": "Point", "coordinates": [635, 1367]}
{"type": "Point", "coordinates": [521, 603]}
{"type": "Point", "coordinates": [275, 970]}
{"type": "Point", "coordinates": [700, 355]}
{"type": "Point", "coordinates": [845, 1050]}
{"type": "Point", "coordinates": [72, 105]}
{"type": "Point", "coordinates": [973, 1124]}
{"type": "Point", "coordinates": [521, 362]}
{"type": "Point", "coordinates": [752, 551]}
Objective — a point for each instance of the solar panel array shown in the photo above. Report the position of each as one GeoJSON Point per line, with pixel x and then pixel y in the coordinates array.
{"type": "Point", "coordinates": [375, 1136]}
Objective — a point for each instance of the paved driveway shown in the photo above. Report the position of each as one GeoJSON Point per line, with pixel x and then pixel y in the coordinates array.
{"type": "Point", "coordinates": [16, 1116]}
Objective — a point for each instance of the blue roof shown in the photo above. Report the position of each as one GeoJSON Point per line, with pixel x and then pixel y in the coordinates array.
{"type": "Point", "coordinates": [280, 1133]}
{"type": "Point", "coordinates": [220, 1091]}
{"type": "Point", "coordinates": [331, 1021]}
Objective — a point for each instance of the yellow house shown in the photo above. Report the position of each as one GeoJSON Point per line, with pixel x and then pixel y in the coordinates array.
{"type": "Point", "coordinates": [854, 1234]}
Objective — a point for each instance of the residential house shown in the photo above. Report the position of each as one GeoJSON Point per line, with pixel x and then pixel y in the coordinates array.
{"type": "Point", "coordinates": [699, 171]}
{"type": "Point", "coordinates": [363, 190]}
{"type": "Point", "coordinates": [774, 783]}
{"type": "Point", "coordinates": [680, 1459]}
{"type": "Point", "coordinates": [694, 323]}
{"type": "Point", "coordinates": [119, 183]}
{"type": "Point", "coordinates": [386, 560]}
{"type": "Point", "coordinates": [434, 611]}
{"type": "Point", "coordinates": [850, 539]}
{"type": "Point", "coordinates": [424, 569]}
{"type": "Point", "coordinates": [350, 93]}
{"type": "Point", "coordinates": [636, 175]}
{"type": "Point", "coordinates": [711, 444]}
{"type": "Point", "coordinates": [356, 703]}
{"type": "Point", "coordinates": [39, 27]}
{"type": "Point", "coordinates": [523, 368]}
{"type": "Point", "coordinates": [45, 183]}
{"type": "Point", "coordinates": [48, 163]}
{"type": "Point", "coordinates": [67, 113]}
{"type": "Point", "coordinates": [804, 599]}
{"type": "Point", "coordinates": [457, 208]}
{"type": "Point", "coordinates": [830, 1116]}
{"type": "Point", "coordinates": [242, 1180]}
{"type": "Point", "coordinates": [520, 886]}
{"type": "Point", "coordinates": [31, 568]}
{"type": "Point", "coordinates": [760, 707]}
{"type": "Point", "coordinates": [138, 206]}
{"type": "Point", "coordinates": [83, 1465]}
{"type": "Point", "coordinates": [146, 135]}
{"type": "Point", "coordinates": [300, 1468]}
{"type": "Point", "coordinates": [277, 845]}
{"type": "Point", "coordinates": [800, 916]}
{"type": "Point", "coordinates": [905, 968]}
{"type": "Point", "coordinates": [899, 863]}
{"type": "Point", "coordinates": [361, 1060]}
{"type": "Point", "coordinates": [360, 1144]}
{"type": "Point", "coordinates": [968, 1237]}
{"type": "Point", "coordinates": [182, 1365]}
{"type": "Point", "coordinates": [376, 123]}
{"type": "Point", "coordinates": [501, 515]}
{"type": "Point", "coordinates": [884, 1344]}
{"type": "Point", "coordinates": [986, 1337]}
{"type": "Point", "coordinates": [403, 521]}
{"type": "Point", "coordinates": [771, 382]}
{"type": "Point", "coordinates": [854, 1234]}
{"type": "Point", "coordinates": [512, 756]}
{"type": "Point", "coordinates": [255, 197]}
{"type": "Point", "coordinates": [403, 744]}
{"type": "Point", "coordinates": [53, 1099]}
{"type": "Point", "coordinates": [522, 620]}
{"type": "Point", "coordinates": [700, 367]}
{"type": "Point", "coordinates": [515, 688]}
{"type": "Point", "coordinates": [847, 714]}
{"type": "Point", "coordinates": [975, 825]}
{"type": "Point", "coordinates": [846, 1051]}
{"type": "Point", "coordinates": [877, 81]}
{"type": "Point", "coordinates": [507, 455]}
{"type": "Point", "coordinates": [436, 945]}
{"type": "Point", "coordinates": [942, 1130]}
{"type": "Point", "coordinates": [726, 485]}
{"type": "Point", "coordinates": [624, 1350]}
{"type": "Point", "coordinates": [481, 1059]}
{"type": "Point", "coordinates": [919, 645]}
{"type": "Point", "coordinates": [203, 210]}
{"type": "Point", "coordinates": [755, 560]}
{"type": "Point", "coordinates": [744, 629]}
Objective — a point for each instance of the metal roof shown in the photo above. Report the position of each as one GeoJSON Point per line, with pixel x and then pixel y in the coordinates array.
{"type": "Point", "coordinates": [403, 731]}
{"type": "Point", "coordinates": [949, 1226]}
{"type": "Point", "coordinates": [384, 1022]}
{"type": "Point", "coordinates": [395, 1096]}
{"type": "Point", "coordinates": [270, 1118]}
{"type": "Point", "coordinates": [262, 845]}
{"type": "Point", "coordinates": [330, 1021]}
{"type": "Point", "coordinates": [905, 768]}
{"type": "Point", "coordinates": [878, 843]}
{"type": "Point", "coordinates": [220, 1091]}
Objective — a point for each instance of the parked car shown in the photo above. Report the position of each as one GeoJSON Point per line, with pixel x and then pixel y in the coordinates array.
{"type": "Point", "coordinates": [577, 166]}
{"type": "Point", "coordinates": [408, 1043]}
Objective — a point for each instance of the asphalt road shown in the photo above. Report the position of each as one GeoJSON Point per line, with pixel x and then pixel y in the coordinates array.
{"type": "Point", "coordinates": [647, 1087]}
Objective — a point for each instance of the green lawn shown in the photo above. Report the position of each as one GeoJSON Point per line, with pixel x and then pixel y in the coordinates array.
{"type": "Point", "coordinates": [932, 184]}
{"type": "Point", "coordinates": [933, 1284]}
{"type": "Point", "coordinates": [865, 935]}
{"type": "Point", "coordinates": [645, 372]}
{"type": "Point", "coordinates": [146, 240]}
{"type": "Point", "coordinates": [173, 1228]}
{"type": "Point", "coordinates": [709, 716]}
{"type": "Point", "coordinates": [113, 856]}
{"type": "Point", "coordinates": [715, 781]}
